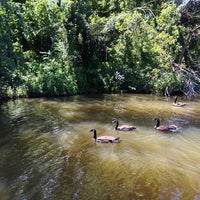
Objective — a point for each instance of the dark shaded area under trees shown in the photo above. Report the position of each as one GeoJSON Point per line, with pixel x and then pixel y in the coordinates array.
{"type": "Point", "coordinates": [65, 47]}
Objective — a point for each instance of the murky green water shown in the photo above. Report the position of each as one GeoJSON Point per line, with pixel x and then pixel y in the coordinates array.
{"type": "Point", "coordinates": [47, 152]}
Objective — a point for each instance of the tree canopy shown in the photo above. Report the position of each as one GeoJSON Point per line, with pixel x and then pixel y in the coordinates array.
{"type": "Point", "coordinates": [65, 47]}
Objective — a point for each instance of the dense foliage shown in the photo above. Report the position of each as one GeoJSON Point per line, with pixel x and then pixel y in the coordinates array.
{"type": "Point", "coordinates": [66, 47]}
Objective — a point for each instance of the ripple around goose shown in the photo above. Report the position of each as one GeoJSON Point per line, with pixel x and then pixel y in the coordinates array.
{"type": "Point", "coordinates": [170, 128]}
{"type": "Point", "coordinates": [104, 138]}
{"type": "Point", "coordinates": [123, 127]}
{"type": "Point", "coordinates": [178, 104]}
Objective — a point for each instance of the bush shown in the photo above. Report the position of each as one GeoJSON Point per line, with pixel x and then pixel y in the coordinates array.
{"type": "Point", "coordinates": [51, 79]}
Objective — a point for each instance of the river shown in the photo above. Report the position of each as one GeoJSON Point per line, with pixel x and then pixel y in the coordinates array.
{"type": "Point", "coordinates": [47, 151]}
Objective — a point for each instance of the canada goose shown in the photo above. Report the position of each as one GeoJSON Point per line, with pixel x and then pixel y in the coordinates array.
{"type": "Point", "coordinates": [179, 104]}
{"type": "Point", "coordinates": [123, 127]}
{"type": "Point", "coordinates": [164, 127]}
{"type": "Point", "coordinates": [104, 139]}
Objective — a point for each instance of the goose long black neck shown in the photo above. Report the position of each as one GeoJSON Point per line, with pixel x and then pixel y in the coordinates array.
{"type": "Point", "coordinates": [175, 100]}
{"type": "Point", "coordinates": [95, 134]}
{"type": "Point", "coordinates": [157, 122]}
{"type": "Point", "coordinates": [116, 124]}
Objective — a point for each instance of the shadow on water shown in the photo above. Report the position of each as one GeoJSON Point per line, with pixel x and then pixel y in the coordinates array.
{"type": "Point", "coordinates": [47, 151]}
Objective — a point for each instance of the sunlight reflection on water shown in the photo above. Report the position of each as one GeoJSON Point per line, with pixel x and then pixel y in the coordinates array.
{"type": "Point", "coordinates": [55, 156]}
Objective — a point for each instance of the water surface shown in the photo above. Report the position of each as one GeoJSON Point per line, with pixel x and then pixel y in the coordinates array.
{"type": "Point", "coordinates": [47, 152]}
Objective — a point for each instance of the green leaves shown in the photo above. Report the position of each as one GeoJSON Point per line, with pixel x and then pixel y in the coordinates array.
{"type": "Point", "coordinates": [40, 20]}
{"type": "Point", "coordinates": [139, 46]}
{"type": "Point", "coordinates": [51, 78]}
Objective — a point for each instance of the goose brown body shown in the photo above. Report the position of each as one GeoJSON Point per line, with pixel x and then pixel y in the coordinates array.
{"type": "Point", "coordinates": [104, 138]}
{"type": "Point", "coordinates": [123, 127]}
{"type": "Point", "coordinates": [170, 128]}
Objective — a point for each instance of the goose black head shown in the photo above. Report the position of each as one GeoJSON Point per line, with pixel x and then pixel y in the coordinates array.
{"type": "Point", "coordinates": [95, 133]}
{"type": "Point", "coordinates": [114, 121]}
{"type": "Point", "coordinates": [92, 130]}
